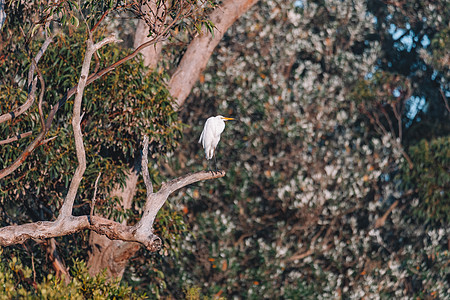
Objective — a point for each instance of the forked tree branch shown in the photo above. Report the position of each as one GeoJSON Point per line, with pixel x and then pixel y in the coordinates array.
{"type": "Point", "coordinates": [141, 233]}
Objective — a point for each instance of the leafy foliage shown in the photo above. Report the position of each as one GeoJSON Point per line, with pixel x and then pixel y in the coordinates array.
{"type": "Point", "coordinates": [429, 179]}
{"type": "Point", "coordinates": [314, 204]}
{"type": "Point", "coordinates": [301, 211]}
{"type": "Point", "coordinates": [119, 109]}
{"type": "Point", "coordinates": [16, 281]}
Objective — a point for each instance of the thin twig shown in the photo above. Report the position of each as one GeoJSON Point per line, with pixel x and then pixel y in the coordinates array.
{"type": "Point", "coordinates": [398, 116]}
{"type": "Point", "coordinates": [32, 266]}
{"type": "Point", "coordinates": [41, 94]}
{"type": "Point", "coordinates": [380, 221]}
{"type": "Point", "coordinates": [94, 197]}
{"type": "Point", "coordinates": [445, 100]}
{"type": "Point", "coordinates": [47, 140]}
{"type": "Point", "coordinates": [388, 119]}
{"type": "Point", "coordinates": [101, 19]}
{"type": "Point", "coordinates": [31, 86]}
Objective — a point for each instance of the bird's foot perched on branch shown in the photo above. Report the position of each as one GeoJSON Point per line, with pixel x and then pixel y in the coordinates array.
{"type": "Point", "coordinates": [216, 172]}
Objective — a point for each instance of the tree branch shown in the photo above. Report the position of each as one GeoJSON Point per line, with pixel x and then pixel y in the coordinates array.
{"type": "Point", "coordinates": [141, 233]}
{"type": "Point", "coordinates": [94, 197]}
{"type": "Point", "coordinates": [37, 141]}
{"type": "Point", "coordinates": [66, 209]}
{"type": "Point", "coordinates": [31, 84]}
{"type": "Point", "coordinates": [16, 138]}
{"type": "Point", "coordinates": [144, 167]}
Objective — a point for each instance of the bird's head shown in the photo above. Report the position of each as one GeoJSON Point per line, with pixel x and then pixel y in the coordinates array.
{"type": "Point", "coordinates": [225, 118]}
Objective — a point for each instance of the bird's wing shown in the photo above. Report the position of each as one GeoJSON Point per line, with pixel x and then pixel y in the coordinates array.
{"type": "Point", "coordinates": [201, 136]}
{"type": "Point", "coordinates": [206, 130]}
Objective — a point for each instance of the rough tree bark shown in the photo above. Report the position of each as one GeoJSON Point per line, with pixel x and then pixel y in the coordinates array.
{"type": "Point", "coordinates": [114, 255]}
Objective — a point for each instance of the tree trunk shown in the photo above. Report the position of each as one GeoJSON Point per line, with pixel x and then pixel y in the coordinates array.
{"type": "Point", "coordinates": [108, 254]}
{"type": "Point", "coordinates": [200, 49]}
{"type": "Point", "coordinates": [150, 54]}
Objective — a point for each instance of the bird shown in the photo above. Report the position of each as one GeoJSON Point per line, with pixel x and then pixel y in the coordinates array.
{"type": "Point", "coordinates": [210, 136]}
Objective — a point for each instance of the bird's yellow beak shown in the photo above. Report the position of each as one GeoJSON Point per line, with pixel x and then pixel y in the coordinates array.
{"type": "Point", "coordinates": [224, 118]}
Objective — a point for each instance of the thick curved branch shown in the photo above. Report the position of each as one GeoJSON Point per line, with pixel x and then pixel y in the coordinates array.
{"type": "Point", "coordinates": [200, 49]}
{"type": "Point", "coordinates": [17, 234]}
{"type": "Point", "coordinates": [141, 233]}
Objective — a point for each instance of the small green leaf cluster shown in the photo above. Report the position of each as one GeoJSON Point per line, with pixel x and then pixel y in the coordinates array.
{"type": "Point", "coordinates": [429, 179]}
{"type": "Point", "coordinates": [17, 281]}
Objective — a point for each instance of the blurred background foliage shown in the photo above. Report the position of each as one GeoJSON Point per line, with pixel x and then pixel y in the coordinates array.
{"type": "Point", "coordinates": [337, 180]}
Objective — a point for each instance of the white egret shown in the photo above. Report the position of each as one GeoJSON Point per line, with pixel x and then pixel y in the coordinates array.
{"type": "Point", "coordinates": [210, 136]}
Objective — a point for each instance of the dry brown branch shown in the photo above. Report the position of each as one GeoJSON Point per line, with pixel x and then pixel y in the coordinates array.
{"type": "Point", "coordinates": [41, 94]}
{"type": "Point", "coordinates": [94, 196]}
{"type": "Point", "coordinates": [380, 222]}
{"type": "Point", "coordinates": [388, 119]}
{"type": "Point", "coordinates": [57, 262]}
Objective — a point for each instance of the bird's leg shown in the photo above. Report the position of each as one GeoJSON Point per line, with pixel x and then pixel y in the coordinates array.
{"type": "Point", "coordinates": [210, 169]}
{"type": "Point", "coordinates": [215, 163]}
